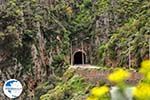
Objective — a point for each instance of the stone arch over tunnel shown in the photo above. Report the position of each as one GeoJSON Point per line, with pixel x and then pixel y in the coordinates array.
{"type": "Point", "coordinates": [79, 57]}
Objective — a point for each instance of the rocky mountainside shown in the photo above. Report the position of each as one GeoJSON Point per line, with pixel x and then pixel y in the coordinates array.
{"type": "Point", "coordinates": [36, 37]}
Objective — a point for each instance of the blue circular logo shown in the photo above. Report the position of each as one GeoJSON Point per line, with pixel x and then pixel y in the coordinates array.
{"type": "Point", "coordinates": [12, 88]}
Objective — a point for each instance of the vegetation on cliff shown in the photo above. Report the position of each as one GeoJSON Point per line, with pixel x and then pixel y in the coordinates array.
{"type": "Point", "coordinates": [36, 36]}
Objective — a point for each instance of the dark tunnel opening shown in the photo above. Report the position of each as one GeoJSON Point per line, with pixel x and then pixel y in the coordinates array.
{"type": "Point", "coordinates": [79, 58]}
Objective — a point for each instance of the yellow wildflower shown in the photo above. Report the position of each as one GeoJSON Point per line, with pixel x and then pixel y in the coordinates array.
{"type": "Point", "coordinates": [141, 92]}
{"type": "Point", "coordinates": [119, 76]}
{"type": "Point", "coordinates": [145, 63]}
{"type": "Point", "coordinates": [69, 10]}
{"type": "Point", "coordinates": [147, 77]}
{"type": "Point", "coordinates": [99, 91]}
{"type": "Point", "coordinates": [92, 98]}
{"type": "Point", "coordinates": [145, 67]}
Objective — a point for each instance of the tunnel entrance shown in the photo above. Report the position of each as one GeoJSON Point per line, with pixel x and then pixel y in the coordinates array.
{"type": "Point", "coordinates": [79, 58]}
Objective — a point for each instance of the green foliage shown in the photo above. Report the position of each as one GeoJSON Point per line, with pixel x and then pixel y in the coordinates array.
{"type": "Point", "coordinates": [115, 24]}
{"type": "Point", "coordinates": [59, 65]}
{"type": "Point", "coordinates": [130, 36]}
{"type": "Point", "coordinates": [66, 90]}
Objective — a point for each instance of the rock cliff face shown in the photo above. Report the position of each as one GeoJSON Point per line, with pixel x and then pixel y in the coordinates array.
{"type": "Point", "coordinates": [39, 38]}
